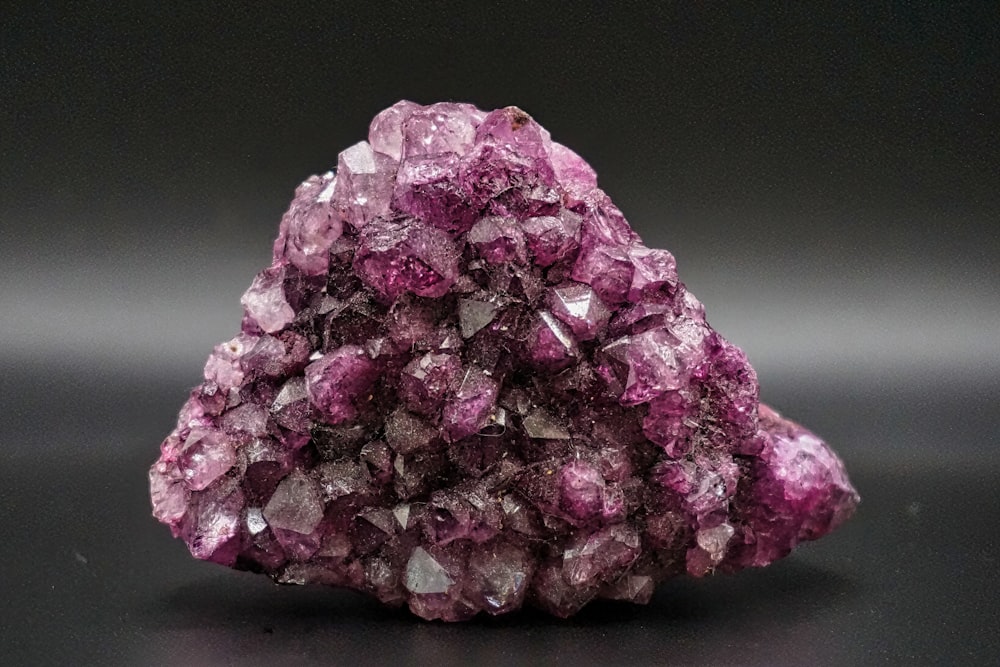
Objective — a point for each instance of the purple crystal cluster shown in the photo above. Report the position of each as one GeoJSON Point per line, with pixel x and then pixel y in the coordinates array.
{"type": "Point", "coordinates": [464, 384]}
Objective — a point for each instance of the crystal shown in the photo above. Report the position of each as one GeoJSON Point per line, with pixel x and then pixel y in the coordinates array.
{"type": "Point", "coordinates": [541, 424]}
{"type": "Point", "coordinates": [465, 385]}
{"type": "Point", "coordinates": [310, 227]}
{"type": "Point", "coordinates": [364, 184]}
{"type": "Point", "coordinates": [474, 315]}
{"type": "Point", "coordinates": [580, 309]}
{"type": "Point", "coordinates": [337, 383]}
{"type": "Point", "coordinates": [265, 303]}
{"type": "Point", "coordinates": [425, 575]}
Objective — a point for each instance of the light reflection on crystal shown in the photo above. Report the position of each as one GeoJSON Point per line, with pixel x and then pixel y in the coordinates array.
{"type": "Point", "coordinates": [425, 575]}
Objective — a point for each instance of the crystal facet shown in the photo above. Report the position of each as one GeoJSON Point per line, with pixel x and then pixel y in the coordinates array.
{"type": "Point", "coordinates": [464, 384]}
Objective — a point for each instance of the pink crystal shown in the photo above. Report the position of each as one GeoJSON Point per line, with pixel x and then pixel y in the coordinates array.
{"type": "Point", "coordinates": [310, 226]}
{"type": "Point", "coordinates": [406, 255]}
{"type": "Point", "coordinates": [338, 383]}
{"type": "Point", "coordinates": [464, 385]}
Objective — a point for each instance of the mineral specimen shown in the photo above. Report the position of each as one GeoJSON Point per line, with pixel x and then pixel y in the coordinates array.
{"type": "Point", "coordinates": [464, 384]}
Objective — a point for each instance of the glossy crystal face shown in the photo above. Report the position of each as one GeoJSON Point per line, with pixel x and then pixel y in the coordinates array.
{"type": "Point", "coordinates": [464, 384]}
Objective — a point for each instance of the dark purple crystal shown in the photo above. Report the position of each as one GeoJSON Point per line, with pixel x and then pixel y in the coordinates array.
{"type": "Point", "coordinates": [464, 384]}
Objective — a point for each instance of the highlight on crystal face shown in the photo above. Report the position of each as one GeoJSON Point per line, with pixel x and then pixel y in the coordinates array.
{"type": "Point", "coordinates": [465, 385]}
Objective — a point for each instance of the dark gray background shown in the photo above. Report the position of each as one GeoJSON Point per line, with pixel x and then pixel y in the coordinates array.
{"type": "Point", "coordinates": [827, 177]}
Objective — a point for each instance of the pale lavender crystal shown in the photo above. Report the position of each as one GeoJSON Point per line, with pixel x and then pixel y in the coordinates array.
{"type": "Point", "coordinates": [265, 303]}
{"type": "Point", "coordinates": [363, 185]}
{"type": "Point", "coordinates": [310, 227]}
{"type": "Point", "coordinates": [465, 385]}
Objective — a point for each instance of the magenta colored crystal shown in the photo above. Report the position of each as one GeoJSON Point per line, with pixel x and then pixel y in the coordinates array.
{"type": "Point", "coordinates": [426, 381]}
{"type": "Point", "coordinates": [498, 240]}
{"type": "Point", "coordinates": [472, 405]}
{"type": "Point", "coordinates": [338, 383]}
{"type": "Point", "coordinates": [553, 239]}
{"type": "Point", "coordinates": [465, 385]}
{"type": "Point", "coordinates": [579, 307]}
{"type": "Point", "coordinates": [406, 255]}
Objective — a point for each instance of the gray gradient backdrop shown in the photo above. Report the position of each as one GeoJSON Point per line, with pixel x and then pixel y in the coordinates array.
{"type": "Point", "coordinates": [828, 178]}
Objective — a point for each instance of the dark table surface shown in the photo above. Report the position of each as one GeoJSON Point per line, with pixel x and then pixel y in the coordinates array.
{"type": "Point", "coordinates": [90, 578]}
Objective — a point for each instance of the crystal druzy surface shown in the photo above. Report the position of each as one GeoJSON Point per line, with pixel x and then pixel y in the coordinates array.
{"type": "Point", "coordinates": [464, 384]}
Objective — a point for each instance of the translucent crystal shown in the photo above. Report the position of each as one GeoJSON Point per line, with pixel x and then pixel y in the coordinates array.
{"type": "Point", "coordinates": [295, 505]}
{"type": "Point", "coordinates": [425, 575]}
{"type": "Point", "coordinates": [364, 183]}
{"type": "Point", "coordinates": [465, 385]}
{"type": "Point", "coordinates": [541, 424]}
{"type": "Point", "coordinates": [474, 315]}
{"type": "Point", "coordinates": [265, 302]}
